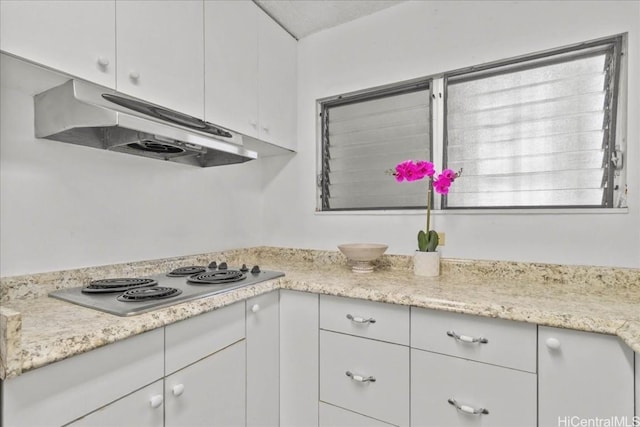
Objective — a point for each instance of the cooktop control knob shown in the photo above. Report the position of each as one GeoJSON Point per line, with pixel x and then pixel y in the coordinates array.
{"type": "Point", "coordinates": [222, 266]}
{"type": "Point", "coordinates": [213, 266]}
{"type": "Point", "coordinates": [244, 268]}
{"type": "Point", "coordinates": [255, 269]}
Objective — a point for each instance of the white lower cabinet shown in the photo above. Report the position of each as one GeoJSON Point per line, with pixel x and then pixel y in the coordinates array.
{"type": "Point", "coordinates": [298, 359]}
{"type": "Point", "coordinates": [365, 376]}
{"type": "Point", "coordinates": [263, 360]}
{"type": "Point", "coordinates": [583, 376]}
{"type": "Point", "coordinates": [638, 385]}
{"type": "Point", "coordinates": [211, 392]}
{"type": "Point", "coordinates": [64, 391]}
{"type": "Point", "coordinates": [332, 416]}
{"type": "Point", "coordinates": [450, 391]}
{"type": "Point", "coordinates": [143, 408]}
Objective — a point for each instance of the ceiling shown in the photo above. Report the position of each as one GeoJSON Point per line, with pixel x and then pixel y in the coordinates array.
{"type": "Point", "coordinates": [303, 17]}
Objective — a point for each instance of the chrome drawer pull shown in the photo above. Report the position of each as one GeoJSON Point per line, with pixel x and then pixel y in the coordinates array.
{"type": "Point", "coordinates": [360, 378]}
{"type": "Point", "coordinates": [361, 319]}
{"type": "Point", "coordinates": [468, 409]}
{"type": "Point", "coordinates": [466, 338]}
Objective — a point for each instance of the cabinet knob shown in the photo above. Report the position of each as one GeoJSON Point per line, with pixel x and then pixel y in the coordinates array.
{"type": "Point", "coordinates": [265, 128]}
{"type": "Point", "coordinates": [156, 401]}
{"type": "Point", "coordinates": [103, 61]}
{"type": "Point", "coordinates": [253, 123]}
{"type": "Point", "coordinates": [134, 75]}
{"type": "Point", "coordinates": [552, 343]}
{"type": "Point", "coordinates": [177, 389]}
{"type": "Point", "coordinates": [255, 308]}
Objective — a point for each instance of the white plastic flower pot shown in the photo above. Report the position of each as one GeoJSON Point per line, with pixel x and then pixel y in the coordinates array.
{"type": "Point", "coordinates": [426, 264]}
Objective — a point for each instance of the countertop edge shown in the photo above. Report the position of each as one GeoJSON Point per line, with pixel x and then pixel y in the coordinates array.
{"type": "Point", "coordinates": [17, 360]}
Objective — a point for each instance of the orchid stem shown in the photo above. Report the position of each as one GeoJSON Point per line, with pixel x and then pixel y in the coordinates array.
{"type": "Point", "coordinates": [429, 206]}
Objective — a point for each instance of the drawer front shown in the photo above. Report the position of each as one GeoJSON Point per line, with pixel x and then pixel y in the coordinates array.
{"type": "Point", "coordinates": [386, 398]}
{"type": "Point", "coordinates": [63, 391]}
{"type": "Point", "coordinates": [439, 383]}
{"type": "Point", "coordinates": [368, 319]}
{"type": "Point", "coordinates": [192, 339]}
{"type": "Point", "coordinates": [332, 416]}
{"type": "Point", "coordinates": [497, 341]}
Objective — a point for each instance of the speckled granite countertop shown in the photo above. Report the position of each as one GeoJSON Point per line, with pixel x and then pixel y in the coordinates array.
{"type": "Point", "coordinates": [36, 330]}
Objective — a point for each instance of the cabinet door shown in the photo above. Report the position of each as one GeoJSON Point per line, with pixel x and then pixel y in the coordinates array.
{"type": "Point", "coordinates": [210, 393]}
{"type": "Point", "coordinates": [76, 37]}
{"type": "Point", "coordinates": [140, 409]}
{"type": "Point", "coordinates": [638, 384]}
{"type": "Point", "coordinates": [231, 65]}
{"type": "Point", "coordinates": [582, 374]}
{"type": "Point", "coordinates": [263, 363]}
{"type": "Point", "coordinates": [446, 390]}
{"type": "Point", "coordinates": [298, 359]}
{"type": "Point", "coordinates": [160, 52]}
{"type": "Point", "coordinates": [277, 64]}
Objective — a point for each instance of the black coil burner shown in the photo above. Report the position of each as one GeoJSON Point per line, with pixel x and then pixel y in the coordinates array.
{"type": "Point", "coordinates": [216, 277]}
{"type": "Point", "coordinates": [146, 294]}
{"type": "Point", "coordinates": [186, 271]}
{"type": "Point", "coordinates": [117, 285]}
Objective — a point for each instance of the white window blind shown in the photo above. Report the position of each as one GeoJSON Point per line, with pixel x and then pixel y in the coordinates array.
{"type": "Point", "coordinates": [365, 135]}
{"type": "Point", "coordinates": [537, 133]}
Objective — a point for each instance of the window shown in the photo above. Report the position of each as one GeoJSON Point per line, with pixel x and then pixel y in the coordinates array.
{"type": "Point", "coordinates": [365, 134]}
{"type": "Point", "coordinates": [535, 133]}
{"type": "Point", "coordinates": [532, 132]}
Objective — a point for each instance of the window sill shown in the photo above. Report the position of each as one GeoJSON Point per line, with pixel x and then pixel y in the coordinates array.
{"type": "Point", "coordinates": [515, 211]}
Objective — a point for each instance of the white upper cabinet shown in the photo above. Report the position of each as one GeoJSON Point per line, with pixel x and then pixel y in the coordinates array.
{"type": "Point", "coordinates": [77, 37]}
{"type": "Point", "coordinates": [160, 52]}
{"type": "Point", "coordinates": [250, 73]}
{"type": "Point", "coordinates": [277, 87]}
{"type": "Point", "coordinates": [231, 65]}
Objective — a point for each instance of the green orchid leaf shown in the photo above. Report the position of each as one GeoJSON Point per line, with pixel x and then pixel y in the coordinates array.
{"type": "Point", "coordinates": [422, 241]}
{"type": "Point", "coordinates": [432, 241]}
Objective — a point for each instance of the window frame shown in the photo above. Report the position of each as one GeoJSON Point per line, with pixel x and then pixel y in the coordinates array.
{"type": "Point", "coordinates": [325, 104]}
{"type": "Point", "coordinates": [524, 62]}
{"type": "Point", "coordinates": [437, 84]}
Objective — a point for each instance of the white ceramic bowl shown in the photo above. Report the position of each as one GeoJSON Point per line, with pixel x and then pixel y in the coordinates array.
{"type": "Point", "coordinates": [361, 255]}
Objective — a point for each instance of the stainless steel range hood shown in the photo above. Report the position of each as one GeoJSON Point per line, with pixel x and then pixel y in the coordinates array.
{"type": "Point", "coordinates": [85, 114]}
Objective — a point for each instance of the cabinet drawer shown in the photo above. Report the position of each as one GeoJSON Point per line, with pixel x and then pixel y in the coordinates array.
{"type": "Point", "coordinates": [332, 416]}
{"type": "Point", "coordinates": [192, 339]}
{"type": "Point", "coordinates": [386, 398]}
{"type": "Point", "coordinates": [509, 396]}
{"type": "Point", "coordinates": [504, 342]}
{"type": "Point", "coordinates": [63, 391]}
{"type": "Point", "coordinates": [376, 320]}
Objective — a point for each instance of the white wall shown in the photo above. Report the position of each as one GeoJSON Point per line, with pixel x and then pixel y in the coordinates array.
{"type": "Point", "coordinates": [421, 38]}
{"type": "Point", "coordinates": [64, 206]}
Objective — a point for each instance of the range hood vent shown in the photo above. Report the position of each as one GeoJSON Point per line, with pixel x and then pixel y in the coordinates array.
{"type": "Point", "coordinates": [86, 114]}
